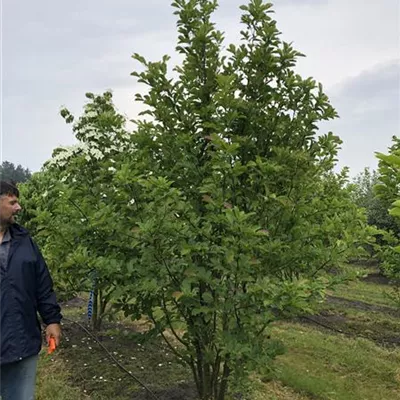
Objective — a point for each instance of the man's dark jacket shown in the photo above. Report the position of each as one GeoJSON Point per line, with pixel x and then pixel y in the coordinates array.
{"type": "Point", "coordinates": [26, 289]}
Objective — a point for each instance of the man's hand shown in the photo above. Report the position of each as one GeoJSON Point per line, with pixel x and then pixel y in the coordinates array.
{"type": "Point", "coordinates": [54, 331]}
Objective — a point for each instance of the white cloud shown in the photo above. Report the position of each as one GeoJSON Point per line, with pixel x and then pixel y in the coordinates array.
{"type": "Point", "coordinates": [369, 109]}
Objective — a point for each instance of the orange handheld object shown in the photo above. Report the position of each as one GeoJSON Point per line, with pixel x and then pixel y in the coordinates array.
{"type": "Point", "coordinates": [52, 345]}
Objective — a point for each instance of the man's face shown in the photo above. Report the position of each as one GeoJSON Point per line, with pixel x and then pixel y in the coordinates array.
{"type": "Point", "coordinates": [9, 207]}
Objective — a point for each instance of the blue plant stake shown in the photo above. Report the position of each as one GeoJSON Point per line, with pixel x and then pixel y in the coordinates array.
{"type": "Point", "coordinates": [90, 305]}
{"type": "Point", "coordinates": [91, 298]}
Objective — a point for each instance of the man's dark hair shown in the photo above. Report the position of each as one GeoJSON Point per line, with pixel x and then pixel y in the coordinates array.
{"type": "Point", "coordinates": [8, 188]}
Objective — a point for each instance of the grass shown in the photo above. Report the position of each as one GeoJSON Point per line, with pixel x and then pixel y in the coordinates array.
{"type": "Point", "coordinates": [331, 366]}
{"type": "Point", "coordinates": [276, 390]}
{"type": "Point", "coordinates": [53, 382]}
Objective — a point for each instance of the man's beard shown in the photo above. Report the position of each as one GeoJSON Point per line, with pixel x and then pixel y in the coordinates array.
{"type": "Point", "coordinates": [7, 222]}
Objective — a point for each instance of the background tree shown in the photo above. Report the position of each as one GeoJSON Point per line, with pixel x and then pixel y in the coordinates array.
{"type": "Point", "coordinates": [377, 212]}
{"type": "Point", "coordinates": [388, 189]}
{"type": "Point", "coordinates": [377, 209]}
{"type": "Point", "coordinates": [8, 171]}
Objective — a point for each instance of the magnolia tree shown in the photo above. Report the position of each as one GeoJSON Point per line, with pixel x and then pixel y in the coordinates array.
{"type": "Point", "coordinates": [68, 202]}
{"type": "Point", "coordinates": [235, 215]}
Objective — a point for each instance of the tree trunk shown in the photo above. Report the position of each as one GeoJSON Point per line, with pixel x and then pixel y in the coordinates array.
{"type": "Point", "coordinates": [211, 382]}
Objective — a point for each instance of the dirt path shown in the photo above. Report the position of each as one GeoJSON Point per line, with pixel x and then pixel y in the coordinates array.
{"type": "Point", "coordinates": [376, 277]}
{"type": "Point", "coordinates": [360, 305]}
{"type": "Point", "coordinates": [384, 332]}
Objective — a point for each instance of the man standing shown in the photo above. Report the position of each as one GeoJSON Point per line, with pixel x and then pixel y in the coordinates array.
{"type": "Point", "coordinates": [26, 288]}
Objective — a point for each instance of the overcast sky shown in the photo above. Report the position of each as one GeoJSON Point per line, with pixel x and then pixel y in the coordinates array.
{"type": "Point", "coordinates": [53, 52]}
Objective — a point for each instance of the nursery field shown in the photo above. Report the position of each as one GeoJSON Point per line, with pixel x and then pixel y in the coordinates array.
{"type": "Point", "coordinates": [348, 351]}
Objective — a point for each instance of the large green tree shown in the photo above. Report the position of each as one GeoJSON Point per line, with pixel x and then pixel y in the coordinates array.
{"type": "Point", "coordinates": [236, 215]}
{"type": "Point", "coordinates": [221, 213]}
